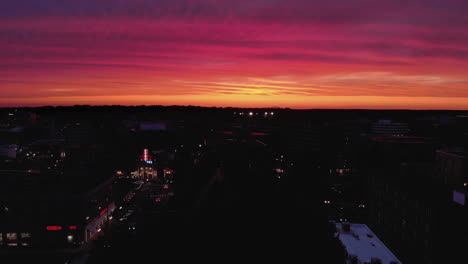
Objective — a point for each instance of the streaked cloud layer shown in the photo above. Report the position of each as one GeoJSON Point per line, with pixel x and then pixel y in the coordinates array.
{"type": "Point", "coordinates": [296, 53]}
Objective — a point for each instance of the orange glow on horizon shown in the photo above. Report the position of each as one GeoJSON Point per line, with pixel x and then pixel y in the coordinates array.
{"type": "Point", "coordinates": [295, 102]}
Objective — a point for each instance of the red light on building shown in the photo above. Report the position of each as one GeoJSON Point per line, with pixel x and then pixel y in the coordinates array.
{"type": "Point", "coordinates": [72, 227]}
{"type": "Point", "coordinates": [146, 156]}
{"type": "Point", "coordinates": [54, 228]}
{"type": "Point", "coordinates": [103, 212]}
{"type": "Point", "coordinates": [157, 200]}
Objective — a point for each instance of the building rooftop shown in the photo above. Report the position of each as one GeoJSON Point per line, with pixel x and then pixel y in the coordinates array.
{"type": "Point", "coordinates": [362, 243]}
{"type": "Point", "coordinates": [403, 139]}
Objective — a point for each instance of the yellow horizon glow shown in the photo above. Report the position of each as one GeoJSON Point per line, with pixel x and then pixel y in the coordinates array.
{"type": "Point", "coordinates": [252, 101]}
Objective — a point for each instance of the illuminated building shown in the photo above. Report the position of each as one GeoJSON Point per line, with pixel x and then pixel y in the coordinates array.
{"type": "Point", "coordinates": [146, 170]}
{"type": "Point", "coordinates": [168, 174]}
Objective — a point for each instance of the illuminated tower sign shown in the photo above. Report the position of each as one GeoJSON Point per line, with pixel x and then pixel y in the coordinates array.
{"type": "Point", "coordinates": [146, 170]}
{"type": "Point", "coordinates": [146, 157]}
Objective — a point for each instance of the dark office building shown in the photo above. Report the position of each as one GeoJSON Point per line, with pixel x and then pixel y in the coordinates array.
{"type": "Point", "coordinates": [42, 211]}
{"type": "Point", "coordinates": [405, 202]}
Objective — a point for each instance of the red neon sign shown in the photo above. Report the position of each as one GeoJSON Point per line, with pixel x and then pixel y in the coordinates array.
{"type": "Point", "coordinates": [103, 212]}
{"type": "Point", "coordinates": [72, 227]}
{"type": "Point", "coordinates": [146, 155]}
{"type": "Point", "coordinates": [54, 228]}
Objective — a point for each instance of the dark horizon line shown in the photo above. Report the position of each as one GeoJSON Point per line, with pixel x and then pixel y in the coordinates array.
{"type": "Point", "coordinates": [229, 107]}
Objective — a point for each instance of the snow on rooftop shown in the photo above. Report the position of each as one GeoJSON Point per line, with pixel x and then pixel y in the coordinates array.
{"type": "Point", "coordinates": [361, 242]}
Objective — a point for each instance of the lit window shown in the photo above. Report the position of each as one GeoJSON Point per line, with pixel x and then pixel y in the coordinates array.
{"type": "Point", "coordinates": [11, 236]}
{"type": "Point", "coordinates": [25, 235]}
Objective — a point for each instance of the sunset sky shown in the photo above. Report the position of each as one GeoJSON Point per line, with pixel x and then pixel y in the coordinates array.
{"type": "Point", "coordinates": [369, 54]}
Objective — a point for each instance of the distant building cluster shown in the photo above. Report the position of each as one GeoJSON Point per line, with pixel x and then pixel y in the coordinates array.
{"type": "Point", "coordinates": [394, 184]}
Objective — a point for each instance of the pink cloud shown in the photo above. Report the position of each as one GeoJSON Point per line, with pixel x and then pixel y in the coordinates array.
{"type": "Point", "coordinates": [140, 48]}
